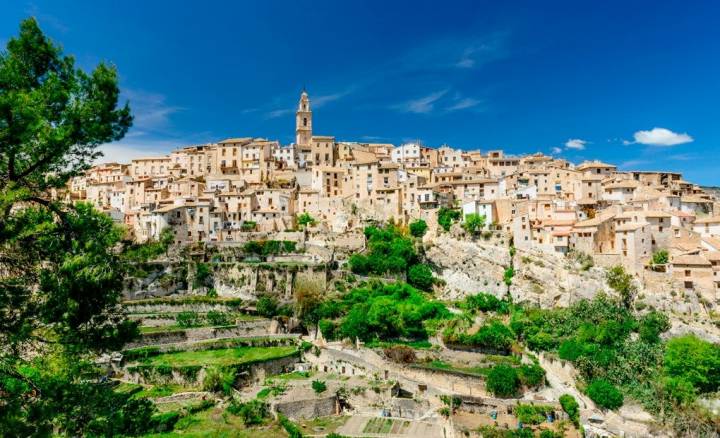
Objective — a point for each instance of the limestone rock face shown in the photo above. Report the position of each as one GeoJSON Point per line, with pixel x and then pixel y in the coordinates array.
{"type": "Point", "coordinates": [472, 266]}
{"type": "Point", "coordinates": [553, 280]}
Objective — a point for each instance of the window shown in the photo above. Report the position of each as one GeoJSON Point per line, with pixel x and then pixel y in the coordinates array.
{"type": "Point", "coordinates": [687, 272]}
{"type": "Point", "coordinates": [688, 285]}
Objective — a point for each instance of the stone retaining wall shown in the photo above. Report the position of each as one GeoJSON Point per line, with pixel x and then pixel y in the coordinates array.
{"type": "Point", "coordinates": [313, 408]}
{"type": "Point", "coordinates": [244, 328]}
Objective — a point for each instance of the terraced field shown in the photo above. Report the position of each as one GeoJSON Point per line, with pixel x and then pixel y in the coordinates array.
{"type": "Point", "coordinates": [221, 357]}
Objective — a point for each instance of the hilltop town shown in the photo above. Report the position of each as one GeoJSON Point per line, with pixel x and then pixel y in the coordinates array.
{"type": "Point", "coordinates": [476, 294]}
{"type": "Point", "coordinates": [339, 289]}
{"type": "Point", "coordinates": [217, 193]}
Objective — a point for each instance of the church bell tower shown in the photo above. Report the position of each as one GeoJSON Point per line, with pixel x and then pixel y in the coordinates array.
{"type": "Point", "coordinates": [303, 121]}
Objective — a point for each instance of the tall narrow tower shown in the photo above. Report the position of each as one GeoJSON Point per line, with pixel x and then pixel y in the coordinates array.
{"type": "Point", "coordinates": [303, 121]}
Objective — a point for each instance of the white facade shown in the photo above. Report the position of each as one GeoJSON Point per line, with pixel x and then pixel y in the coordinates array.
{"type": "Point", "coordinates": [482, 208]}
{"type": "Point", "coordinates": [406, 152]}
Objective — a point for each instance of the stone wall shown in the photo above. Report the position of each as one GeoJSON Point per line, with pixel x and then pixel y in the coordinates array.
{"type": "Point", "coordinates": [252, 374]}
{"type": "Point", "coordinates": [259, 327]}
{"type": "Point", "coordinates": [312, 408]}
{"type": "Point", "coordinates": [351, 362]}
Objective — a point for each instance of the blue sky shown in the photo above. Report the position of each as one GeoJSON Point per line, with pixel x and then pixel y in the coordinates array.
{"type": "Point", "coordinates": [582, 80]}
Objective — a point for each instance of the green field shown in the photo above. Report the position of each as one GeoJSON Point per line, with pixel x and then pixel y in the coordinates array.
{"type": "Point", "coordinates": [444, 366]}
{"type": "Point", "coordinates": [216, 423]}
{"type": "Point", "coordinates": [221, 357]}
{"type": "Point", "coordinates": [385, 426]}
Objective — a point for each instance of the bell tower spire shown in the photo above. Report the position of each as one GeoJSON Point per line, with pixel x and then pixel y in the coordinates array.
{"type": "Point", "coordinates": [303, 120]}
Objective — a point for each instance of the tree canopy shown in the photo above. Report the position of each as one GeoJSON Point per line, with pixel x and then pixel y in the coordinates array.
{"type": "Point", "coordinates": [61, 265]}
{"type": "Point", "coordinates": [474, 223]}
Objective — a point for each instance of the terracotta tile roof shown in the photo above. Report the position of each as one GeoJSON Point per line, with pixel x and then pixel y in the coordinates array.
{"type": "Point", "coordinates": [708, 220]}
{"type": "Point", "coordinates": [689, 259]}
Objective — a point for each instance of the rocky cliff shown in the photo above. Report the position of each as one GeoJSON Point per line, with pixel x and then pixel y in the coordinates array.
{"type": "Point", "coordinates": [471, 266]}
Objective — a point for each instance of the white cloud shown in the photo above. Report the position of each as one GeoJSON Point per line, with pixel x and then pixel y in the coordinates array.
{"type": "Point", "coordinates": [464, 103]}
{"type": "Point", "coordinates": [633, 163]}
{"type": "Point", "coordinates": [556, 150]}
{"type": "Point", "coordinates": [124, 151]}
{"type": "Point", "coordinates": [575, 143]}
{"type": "Point", "coordinates": [421, 105]}
{"type": "Point", "coordinates": [150, 111]}
{"type": "Point", "coordinates": [315, 102]}
{"type": "Point", "coordinates": [483, 51]}
{"type": "Point", "coordinates": [279, 113]}
{"type": "Point", "coordinates": [660, 137]}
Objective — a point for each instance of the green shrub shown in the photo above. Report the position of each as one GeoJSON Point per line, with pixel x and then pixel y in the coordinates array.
{"type": "Point", "coordinates": [652, 325]}
{"type": "Point", "coordinates": [484, 302]}
{"type": "Point", "coordinates": [618, 279]}
{"type": "Point", "coordinates": [165, 422]}
{"type": "Point", "coordinates": [503, 381]}
{"type": "Point", "coordinates": [660, 257]}
{"type": "Point", "coordinates": [695, 361]}
{"type": "Point", "coordinates": [319, 386]}
{"type": "Point", "coordinates": [418, 228]}
{"type": "Point", "coordinates": [248, 226]}
{"type": "Point", "coordinates": [188, 319]}
{"type": "Point", "coordinates": [570, 350]}
{"type": "Point", "coordinates": [305, 219]}
{"type": "Point", "coordinates": [218, 379]}
{"type": "Point", "coordinates": [680, 390]}
{"type": "Point", "coordinates": [291, 428]}
{"type": "Point", "coordinates": [529, 414]}
{"type": "Point", "coordinates": [604, 394]}
{"type": "Point", "coordinates": [203, 275]}
{"type": "Point", "coordinates": [218, 318]}
{"type": "Point", "coordinates": [252, 413]}
{"type": "Point", "coordinates": [508, 276]}
{"type": "Point", "coordinates": [267, 306]}
{"type": "Point", "coordinates": [328, 329]}
{"type": "Point", "coordinates": [474, 223]}
{"type": "Point", "coordinates": [421, 277]}
{"type": "Point", "coordinates": [493, 335]}
{"type": "Point", "coordinates": [531, 375]}
{"type": "Point", "coordinates": [447, 216]}
{"type": "Point", "coordinates": [571, 407]}
{"type": "Point", "coordinates": [383, 311]}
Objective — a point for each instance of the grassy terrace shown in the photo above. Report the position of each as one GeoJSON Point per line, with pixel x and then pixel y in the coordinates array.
{"type": "Point", "coordinates": [215, 422]}
{"type": "Point", "coordinates": [221, 357]}
{"type": "Point", "coordinates": [177, 328]}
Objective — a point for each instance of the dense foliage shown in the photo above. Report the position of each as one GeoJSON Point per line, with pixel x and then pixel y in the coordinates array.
{"type": "Point", "coordinates": [418, 228]}
{"type": "Point", "coordinates": [622, 282]}
{"type": "Point", "coordinates": [389, 251]}
{"type": "Point", "coordinates": [483, 302]}
{"type": "Point", "coordinates": [421, 277]}
{"type": "Point", "coordinates": [253, 412]}
{"type": "Point", "coordinates": [604, 394]}
{"type": "Point", "coordinates": [447, 216]}
{"type": "Point", "coordinates": [62, 265]}
{"type": "Point", "coordinates": [388, 311]}
{"type": "Point", "coordinates": [503, 381]}
{"type": "Point", "coordinates": [474, 223]}
{"type": "Point", "coordinates": [392, 252]}
{"type": "Point", "coordinates": [304, 219]}
{"type": "Point", "coordinates": [319, 386]}
{"type": "Point", "coordinates": [571, 407]}
{"type": "Point", "coordinates": [493, 336]}
{"type": "Point", "coordinates": [691, 366]}
{"type": "Point", "coordinates": [660, 257]}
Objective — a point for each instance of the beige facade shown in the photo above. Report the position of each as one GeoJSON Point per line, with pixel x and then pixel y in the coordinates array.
{"type": "Point", "coordinates": [216, 191]}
